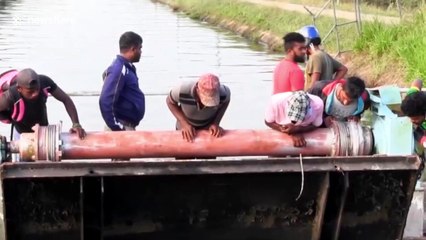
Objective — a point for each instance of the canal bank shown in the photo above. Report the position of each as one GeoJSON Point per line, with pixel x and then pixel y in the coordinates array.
{"type": "Point", "coordinates": [374, 54]}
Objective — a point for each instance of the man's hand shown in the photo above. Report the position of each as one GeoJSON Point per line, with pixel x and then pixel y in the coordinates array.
{"type": "Point", "coordinates": [288, 128]}
{"type": "Point", "coordinates": [328, 121]}
{"type": "Point", "coordinates": [76, 128]}
{"type": "Point", "coordinates": [215, 130]}
{"type": "Point", "coordinates": [423, 141]}
{"type": "Point", "coordinates": [188, 132]}
{"type": "Point", "coordinates": [298, 140]}
{"type": "Point", "coordinates": [353, 118]}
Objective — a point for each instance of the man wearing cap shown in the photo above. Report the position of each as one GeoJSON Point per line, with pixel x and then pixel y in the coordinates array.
{"type": "Point", "coordinates": [320, 65]}
{"type": "Point", "coordinates": [294, 113]}
{"type": "Point", "coordinates": [24, 103]}
{"type": "Point", "coordinates": [199, 105]}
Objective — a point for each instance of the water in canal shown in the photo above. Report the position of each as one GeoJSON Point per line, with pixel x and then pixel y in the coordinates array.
{"type": "Point", "coordinates": [73, 41]}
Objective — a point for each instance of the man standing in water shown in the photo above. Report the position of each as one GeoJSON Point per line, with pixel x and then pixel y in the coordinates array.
{"type": "Point", "coordinates": [288, 76]}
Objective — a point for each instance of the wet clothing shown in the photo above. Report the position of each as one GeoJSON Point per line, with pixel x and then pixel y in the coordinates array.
{"type": "Point", "coordinates": [23, 113]}
{"type": "Point", "coordinates": [121, 98]}
{"type": "Point", "coordinates": [287, 77]}
{"type": "Point", "coordinates": [198, 116]}
{"type": "Point", "coordinates": [320, 62]}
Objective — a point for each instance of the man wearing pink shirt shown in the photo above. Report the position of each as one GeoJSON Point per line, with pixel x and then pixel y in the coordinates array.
{"type": "Point", "coordinates": [294, 113]}
{"type": "Point", "coordinates": [287, 75]}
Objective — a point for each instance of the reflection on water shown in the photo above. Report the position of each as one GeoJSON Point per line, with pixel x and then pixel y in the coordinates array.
{"type": "Point", "coordinates": [73, 41]}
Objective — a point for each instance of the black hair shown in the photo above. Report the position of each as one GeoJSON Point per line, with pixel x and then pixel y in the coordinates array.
{"type": "Point", "coordinates": [354, 87]}
{"type": "Point", "coordinates": [291, 38]}
{"type": "Point", "coordinates": [414, 104]}
{"type": "Point", "coordinates": [315, 41]}
{"type": "Point", "coordinates": [129, 40]}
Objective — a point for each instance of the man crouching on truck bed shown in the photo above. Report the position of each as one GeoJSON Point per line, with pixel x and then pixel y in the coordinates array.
{"type": "Point", "coordinates": [24, 103]}
{"type": "Point", "coordinates": [344, 99]}
{"type": "Point", "coordinates": [294, 113]}
{"type": "Point", "coordinates": [199, 105]}
{"type": "Point", "coordinates": [414, 106]}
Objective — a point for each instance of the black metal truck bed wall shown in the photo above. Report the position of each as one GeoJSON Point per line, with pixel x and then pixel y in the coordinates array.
{"type": "Point", "coordinates": [219, 205]}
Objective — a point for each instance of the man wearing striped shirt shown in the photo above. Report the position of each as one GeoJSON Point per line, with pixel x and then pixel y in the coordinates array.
{"type": "Point", "coordinates": [199, 105]}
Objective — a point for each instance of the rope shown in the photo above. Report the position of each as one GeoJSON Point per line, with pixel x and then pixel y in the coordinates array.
{"type": "Point", "coordinates": [302, 184]}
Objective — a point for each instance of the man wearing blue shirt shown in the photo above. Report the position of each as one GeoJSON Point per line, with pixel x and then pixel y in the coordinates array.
{"type": "Point", "coordinates": [122, 102]}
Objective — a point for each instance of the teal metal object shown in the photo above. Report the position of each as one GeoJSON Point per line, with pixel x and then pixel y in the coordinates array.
{"type": "Point", "coordinates": [393, 133]}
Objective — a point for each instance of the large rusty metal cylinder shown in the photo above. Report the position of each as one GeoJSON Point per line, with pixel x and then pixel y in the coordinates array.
{"type": "Point", "coordinates": [49, 143]}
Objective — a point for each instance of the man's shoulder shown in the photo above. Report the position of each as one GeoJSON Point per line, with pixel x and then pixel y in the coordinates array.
{"type": "Point", "coordinates": [224, 90]}
{"type": "Point", "coordinates": [319, 56]}
{"type": "Point", "coordinates": [116, 66]}
{"type": "Point", "coordinates": [44, 78]}
{"type": "Point", "coordinates": [316, 100]}
{"type": "Point", "coordinates": [184, 87]}
{"type": "Point", "coordinates": [46, 81]}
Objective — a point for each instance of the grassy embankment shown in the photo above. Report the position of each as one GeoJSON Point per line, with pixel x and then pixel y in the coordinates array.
{"type": "Point", "coordinates": [383, 54]}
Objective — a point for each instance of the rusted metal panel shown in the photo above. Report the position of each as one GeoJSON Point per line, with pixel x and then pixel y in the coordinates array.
{"type": "Point", "coordinates": [409, 189]}
{"type": "Point", "coordinates": [242, 206]}
{"type": "Point", "coordinates": [212, 166]}
{"type": "Point", "coordinates": [3, 232]}
{"type": "Point", "coordinates": [320, 208]}
{"type": "Point", "coordinates": [375, 207]}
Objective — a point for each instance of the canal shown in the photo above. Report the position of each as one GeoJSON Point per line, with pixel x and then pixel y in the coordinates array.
{"type": "Point", "coordinates": [73, 41]}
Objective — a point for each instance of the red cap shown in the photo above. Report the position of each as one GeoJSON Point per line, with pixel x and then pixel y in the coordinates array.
{"type": "Point", "coordinates": [208, 90]}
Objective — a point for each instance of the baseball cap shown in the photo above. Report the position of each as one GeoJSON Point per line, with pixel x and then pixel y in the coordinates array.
{"type": "Point", "coordinates": [298, 105]}
{"type": "Point", "coordinates": [208, 90]}
{"type": "Point", "coordinates": [27, 78]}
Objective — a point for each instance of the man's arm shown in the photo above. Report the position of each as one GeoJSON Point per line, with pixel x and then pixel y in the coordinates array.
{"type": "Point", "coordinates": [222, 109]}
{"type": "Point", "coordinates": [293, 129]}
{"type": "Point", "coordinates": [71, 109]}
{"type": "Point", "coordinates": [68, 103]}
{"type": "Point", "coordinates": [188, 131]}
{"type": "Point", "coordinates": [4, 101]}
{"type": "Point", "coordinates": [314, 69]}
{"type": "Point", "coordinates": [315, 77]}
{"type": "Point", "coordinates": [176, 110]}
{"type": "Point", "coordinates": [274, 126]}
{"type": "Point", "coordinates": [297, 80]}
{"type": "Point", "coordinates": [340, 70]}
{"type": "Point", "coordinates": [111, 90]}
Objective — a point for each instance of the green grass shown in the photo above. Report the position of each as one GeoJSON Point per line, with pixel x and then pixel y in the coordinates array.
{"type": "Point", "coordinates": [405, 42]}
{"type": "Point", "coordinates": [391, 11]}
{"type": "Point", "coordinates": [275, 20]}
{"type": "Point", "coordinates": [383, 46]}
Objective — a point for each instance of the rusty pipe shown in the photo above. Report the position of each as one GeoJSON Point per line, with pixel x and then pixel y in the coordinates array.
{"type": "Point", "coordinates": [48, 143]}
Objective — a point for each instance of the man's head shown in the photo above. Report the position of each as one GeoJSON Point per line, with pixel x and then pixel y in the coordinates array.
{"type": "Point", "coordinates": [294, 46]}
{"type": "Point", "coordinates": [28, 84]}
{"type": "Point", "coordinates": [312, 38]}
{"type": "Point", "coordinates": [298, 105]}
{"type": "Point", "coordinates": [208, 90]}
{"type": "Point", "coordinates": [131, 46]}
{"type": "Point", "coordinates": [414, 106]}
{"type": "Point", "coordinates": [350, 90]}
